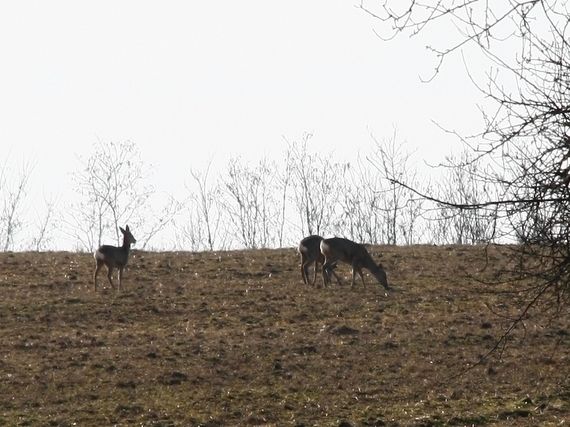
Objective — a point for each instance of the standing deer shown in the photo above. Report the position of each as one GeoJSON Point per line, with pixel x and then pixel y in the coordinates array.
{"type": "Point", "coordinates": [113, 256]}
{"type": "Point", "coordinates": [310, 251]}
{"type": "Point", "coordinates": [344, 250]}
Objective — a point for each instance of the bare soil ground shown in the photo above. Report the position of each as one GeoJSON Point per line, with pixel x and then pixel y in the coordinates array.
{"type": "Point", "coordinates": [236, 339]}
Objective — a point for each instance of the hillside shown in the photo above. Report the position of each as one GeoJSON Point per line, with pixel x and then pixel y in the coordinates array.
{"type": "Point", "coordinates": [236, 339]}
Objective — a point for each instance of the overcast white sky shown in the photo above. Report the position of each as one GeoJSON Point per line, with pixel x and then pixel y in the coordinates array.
{"type": "Point", "coordinates": [188, 80]}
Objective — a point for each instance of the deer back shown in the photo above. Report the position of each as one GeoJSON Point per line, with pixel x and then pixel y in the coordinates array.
{"type": "Point", "coordinates": [309, 248]}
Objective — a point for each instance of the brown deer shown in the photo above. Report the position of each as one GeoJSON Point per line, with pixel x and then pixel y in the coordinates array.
{"type": "Point", "coordinates": [310, 251]}
{"type": "Point", "coordinates": [344, 250]}
{"type": "Point", "coordinates": [113, 256]}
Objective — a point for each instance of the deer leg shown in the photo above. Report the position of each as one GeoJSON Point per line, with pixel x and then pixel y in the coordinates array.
{"type": "Point", "coordinates": [99, 265]}
{"type": "Point", "coordinates": [352, 277]}
{"type": "Point", "coordinates": [315, 271]}
{"type": "Point", "coordinates": [359, 271]}
{"type": "Point", "coordinates": [305, 264]}
{"type": "Point", "coordinates": [110, 275]}
{"type": "Point", "coordinates": [331, 271]}
{"type": "Point", "coordinates": [326, 277]}
{"type": "Point", "coordinates": [338, 279]}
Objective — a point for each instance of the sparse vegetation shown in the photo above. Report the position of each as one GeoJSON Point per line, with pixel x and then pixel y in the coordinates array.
{"type": "Point", "coordinates": [236, 339]}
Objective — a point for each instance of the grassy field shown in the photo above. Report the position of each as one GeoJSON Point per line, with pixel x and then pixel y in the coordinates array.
{"type": "Point", "coordinates": [236, 339]}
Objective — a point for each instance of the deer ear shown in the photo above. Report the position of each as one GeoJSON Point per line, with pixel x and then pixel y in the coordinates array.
{"type": "Point", "coordinates": [127, 228]}
{"type": "Point", "coordinates": [122, 230]}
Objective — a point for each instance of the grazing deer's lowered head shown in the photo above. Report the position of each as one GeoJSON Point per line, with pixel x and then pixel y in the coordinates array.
{"type": "Point", "coordinates": [114, 257]}
{"type": "Point", "coordinates": [344, 250]}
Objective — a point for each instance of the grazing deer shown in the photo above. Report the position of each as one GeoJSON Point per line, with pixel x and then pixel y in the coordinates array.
{"type": "Point", "coordinates": [310, 251]}
{"type": "Point", "coordinates": [344, 250]}
{"type": "Point", "coordinates": [113, 256]}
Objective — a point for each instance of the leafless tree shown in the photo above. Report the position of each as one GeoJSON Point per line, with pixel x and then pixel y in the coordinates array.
{"type": "Point", "coordinates": [250, 204]}
{"type": "Point", "coordinates": [284, 184]}
{"type": "Point", "coordinates": [14, 186]}
{"type": "Point", "coordinates": [316, 183]}
{"type": "Point", "coordinates": [113, 184]}
{"type": "Point", "coordinates": [463, 183]}
{"type": "Point", "coordinates": [191, 231]}
{"type": "Point", "coordinates": [399, 207]}
{"type": "Point", "coordinates": [156, 221]}
{"type": "Point", "coordinates": [47, 223]}
{"type": "Point", "coordinates": [525, 137]}
{"type": "Point", "coordinates": [202, 228]}
{"type": "Point", "coordinates": [360, 198]}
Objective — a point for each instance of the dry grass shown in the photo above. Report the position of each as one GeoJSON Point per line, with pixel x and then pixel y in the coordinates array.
{"type": "Point", "coordinates": [235, 339]}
